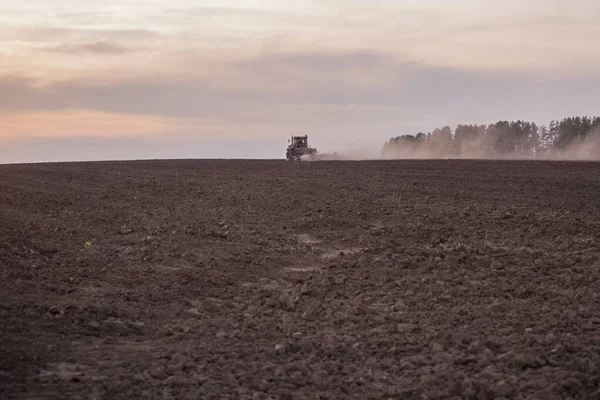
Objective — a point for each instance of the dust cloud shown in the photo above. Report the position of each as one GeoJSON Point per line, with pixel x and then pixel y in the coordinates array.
{"type": "Point", "coordinates": [570, 139]}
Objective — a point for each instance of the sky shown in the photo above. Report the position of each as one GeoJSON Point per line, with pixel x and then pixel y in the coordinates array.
{"type": "Point", "coordinates": [139, 79]}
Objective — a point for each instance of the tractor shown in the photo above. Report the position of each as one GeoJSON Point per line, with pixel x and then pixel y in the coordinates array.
{"type": "Point", "coordinates": [299, 149]}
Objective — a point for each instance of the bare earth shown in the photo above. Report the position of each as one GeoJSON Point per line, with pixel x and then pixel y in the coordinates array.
{"type": "Point", "coordinates": [267, 279]}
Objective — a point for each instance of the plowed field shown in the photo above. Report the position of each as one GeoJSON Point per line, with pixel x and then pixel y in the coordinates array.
{"type": "Point", "coordinates": [327, 280]}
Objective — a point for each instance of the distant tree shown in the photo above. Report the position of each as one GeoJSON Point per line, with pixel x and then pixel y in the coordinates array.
{"type": "Point", "coordinates": [515, 138]}
{"type": "Point", "coordinates": [470, 140]}
{"type": "Point", "coordinates": [402, 145]}
{"type": "Point", "coordinates": [502, 141]}
{"type": "Point", "coordinates": [572, 131]}
{"type": "Point", "coordinates": [526, 138]}
{"type": "Point", "coordinates": [594, 138]}
{"type": "Point", "coordinates": [440, 142]}
{"type": "Point", "coordinates": [545, 142]}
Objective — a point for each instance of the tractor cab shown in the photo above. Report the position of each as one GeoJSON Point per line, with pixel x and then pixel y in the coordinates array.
{"type": "Point", "coordinates": [299, 142]}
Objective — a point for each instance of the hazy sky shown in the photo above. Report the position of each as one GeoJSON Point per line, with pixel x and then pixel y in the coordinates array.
{"type": "Point", "coordinates": [89, 79]}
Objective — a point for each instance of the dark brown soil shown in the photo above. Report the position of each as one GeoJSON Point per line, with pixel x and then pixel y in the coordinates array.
{"type": "Point", "coordinates": [267, 279]}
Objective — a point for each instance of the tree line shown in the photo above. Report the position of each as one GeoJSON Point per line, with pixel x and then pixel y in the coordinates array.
{"type": "Point", "coordinates": [570, 138]}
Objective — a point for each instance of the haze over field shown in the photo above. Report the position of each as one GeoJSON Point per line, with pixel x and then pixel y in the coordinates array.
{"type": "Point", "coordinates": [222, 78]}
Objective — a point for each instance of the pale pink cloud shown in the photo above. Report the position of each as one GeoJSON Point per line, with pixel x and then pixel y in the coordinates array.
{"type": "Point", "coordinates": [93, 123]}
